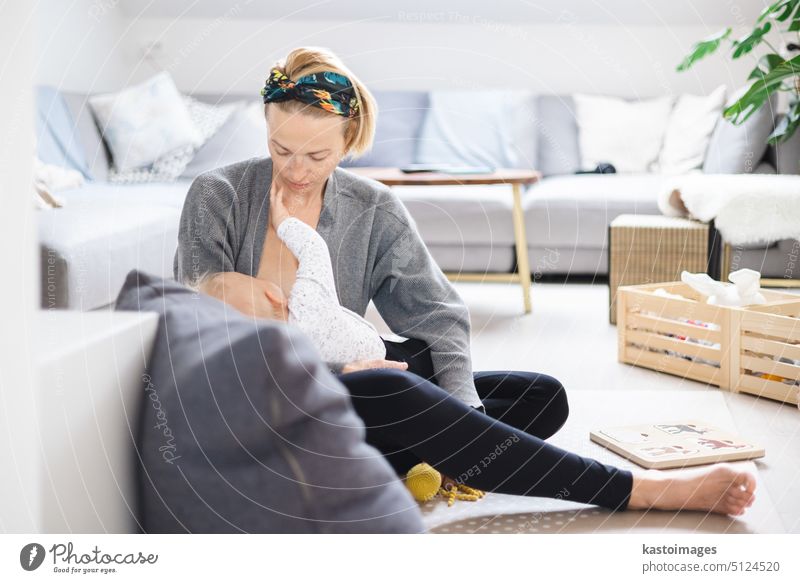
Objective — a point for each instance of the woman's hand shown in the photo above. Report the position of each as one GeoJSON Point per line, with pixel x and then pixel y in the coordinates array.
{"type": "Point", "coordinates": [378, 363]}
{"type": "Point", "coordinates": [277, 208]}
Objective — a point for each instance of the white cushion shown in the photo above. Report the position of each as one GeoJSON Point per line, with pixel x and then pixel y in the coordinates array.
{"type": "Point", "coordinates": [689, 131]}
{"type": "Point", "coordinates": [142, 123]}
{"type": "Point", "coordinates": [207, 119]}
{"type": "Point", "coordinates": [628, 134]}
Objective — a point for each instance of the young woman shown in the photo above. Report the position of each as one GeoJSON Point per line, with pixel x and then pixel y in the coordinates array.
{"type": "Point", "coordinates": [317, 112]}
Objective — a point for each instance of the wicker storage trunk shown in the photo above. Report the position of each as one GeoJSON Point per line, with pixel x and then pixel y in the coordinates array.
{"type": "Point", "coordinates": [653, 248]}
{"type": "Point", "coordinates": [752, 349]}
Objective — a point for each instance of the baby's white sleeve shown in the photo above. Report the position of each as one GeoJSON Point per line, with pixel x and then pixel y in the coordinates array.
{"type": "Point", "coordinates": [339, 334]}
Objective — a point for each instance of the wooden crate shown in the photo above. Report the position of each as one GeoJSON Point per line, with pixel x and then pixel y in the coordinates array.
{"type": "Point", "coordinates": [768, 342]}
{"type": "Point", "coordinates": [652, 248]}
{"type": "Point", "coordinates": [721, 346]}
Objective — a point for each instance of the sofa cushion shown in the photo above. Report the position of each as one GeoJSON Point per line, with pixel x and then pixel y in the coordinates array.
{"type": "Point", "coordinates": [144, 122]}
{"type": "Point", "coordinates": [397, 132]}
{"type": "Point", "coordinates": [474, 128]}
{"type": "Point", "coordinates": [738, 149]}
{"type": "Point", "coordinates": [628, 134]}
{"type": "Point", "coordinates": [242, 137]}
{"type": "Point", "coordinates": [104, 195]}
{"type": "Point", "coordinates": [58, 141]}
{"type": "Point", "coordinates": [575, 211]}
{"type": "Point", "coordinates": [97, 155]}
{"type": "Point", "coordinates": [558, 150]}
{"type": "Point", "coordinates": [689, 131]}
{"type": "Point", "coordinates": [461, 215]}
{"type": "Point", "coordinates": [786, 155]}
{"type": "Point", "coordinates": [478, 258]}
{"type": "Point", "coordinates": [243, 429]}
{"type": "Point", "coordinates": [87, 252]}
{"type": "Point", "coordinates": [206, 118]}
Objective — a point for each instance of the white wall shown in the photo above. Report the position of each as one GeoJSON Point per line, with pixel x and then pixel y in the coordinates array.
{"type": "Point", "coordinates": [99, 45]}
{"type": "Point", "coordinates": [19, 461]}
{"type": "Point", "coordinates": [81, 45]}
{"type": "Point", "coordinates": [228, 53]}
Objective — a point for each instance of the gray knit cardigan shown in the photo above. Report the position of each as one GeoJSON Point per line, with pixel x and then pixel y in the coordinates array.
{"type": "Point", "coordinates": [376, 252]}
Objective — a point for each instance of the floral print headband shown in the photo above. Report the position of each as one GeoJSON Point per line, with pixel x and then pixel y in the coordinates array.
{"type": "Point", "coordinates": [330, 91]}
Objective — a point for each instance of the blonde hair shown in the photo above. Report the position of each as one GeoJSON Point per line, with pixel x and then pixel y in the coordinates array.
{"type": "Point", "coordinates": [360, 130]}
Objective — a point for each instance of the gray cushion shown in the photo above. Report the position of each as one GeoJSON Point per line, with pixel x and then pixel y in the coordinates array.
{"type": "Point", "coordinates": [57, 139]}
{"type": "Point", "coordinates": [738, 149]}
{"type": "Point", "coordinates": [486, 258]}
{"type": "Point", "coordinates": [242, 137]}
{"type": "Point", "coordinates": [243, 429]}
{"type": "Point", "coordinates": [463, 215]}
{"type": "Point", "coordinates": [575, 211]}
{"type": "Point", "coordinates": [500, 132]}
{"type": "Point", "coordinates": [559, 152]}
{"type": "Point", "coordinates": [97, 156]}
{"type": "Point", "coordinates": [787, 155]}
{"type": "Point", "coordinates": [400, 116]}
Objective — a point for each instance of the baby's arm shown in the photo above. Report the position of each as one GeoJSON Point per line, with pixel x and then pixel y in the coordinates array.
{"type": "Point", "coordinates": [340, 335]}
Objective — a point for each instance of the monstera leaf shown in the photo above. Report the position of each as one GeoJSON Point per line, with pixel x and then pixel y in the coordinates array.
{"type": "Point", "coordinates": [760, 90]}
{"type": "Point", "coordinates": [773, 72]}
{"type": "Point", "coordinates": [704, 48]}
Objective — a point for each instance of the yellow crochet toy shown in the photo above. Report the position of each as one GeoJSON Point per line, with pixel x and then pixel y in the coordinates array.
{"type": "Point", "coordinates": [424, 483]}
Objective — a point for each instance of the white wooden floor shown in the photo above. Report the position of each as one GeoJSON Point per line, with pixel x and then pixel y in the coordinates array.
{"type": "Point", "coordinates": [568, 336]}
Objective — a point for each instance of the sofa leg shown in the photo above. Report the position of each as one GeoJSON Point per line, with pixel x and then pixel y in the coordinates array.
{"type": "Point", "coordinates": [521, 242]}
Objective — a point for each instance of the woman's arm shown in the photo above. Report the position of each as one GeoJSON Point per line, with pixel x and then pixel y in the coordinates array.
{"type": "Point", "coordinates": [206, 255]}
{"type": "Point", "coordinates": [207, 230]}
{"type": "Point", "coordinates": [246, 294]}
{"type": "Point", "coordinates": [416, 300]}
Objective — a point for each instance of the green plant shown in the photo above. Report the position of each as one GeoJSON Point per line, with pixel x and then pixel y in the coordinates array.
{"type": "Point", "coordinates": [773, 72]}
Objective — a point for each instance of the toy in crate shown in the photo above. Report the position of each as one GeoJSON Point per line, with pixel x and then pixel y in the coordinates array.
{"type": "Point", "coordinates": [736, 337]}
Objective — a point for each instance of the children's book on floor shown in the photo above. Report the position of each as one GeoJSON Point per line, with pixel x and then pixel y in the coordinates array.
{"type": "Point", "coordinates": [675, 445]}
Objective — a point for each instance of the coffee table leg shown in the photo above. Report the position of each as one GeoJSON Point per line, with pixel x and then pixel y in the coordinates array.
{"type": "Point", "coordinates": [521, 242]}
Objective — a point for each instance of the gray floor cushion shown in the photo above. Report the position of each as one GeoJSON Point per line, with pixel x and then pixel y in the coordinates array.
{"type": "Point", "coordinates": [244, 430]}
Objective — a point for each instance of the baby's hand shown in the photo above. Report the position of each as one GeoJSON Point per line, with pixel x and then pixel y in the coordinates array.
{"type": "Point", "coordinates": [378, 363]}
{"type": "Point", "coordinates": [277, 209]}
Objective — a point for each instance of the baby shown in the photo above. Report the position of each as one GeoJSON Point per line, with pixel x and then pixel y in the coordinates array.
{"type": "Point", "coordinates": [340, 335]}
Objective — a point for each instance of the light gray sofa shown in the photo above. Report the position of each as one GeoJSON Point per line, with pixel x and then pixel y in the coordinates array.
{"type": "Point", "coordinates": [105, 230]}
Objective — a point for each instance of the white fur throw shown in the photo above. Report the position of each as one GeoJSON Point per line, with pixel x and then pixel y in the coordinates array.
{"type": "Point", "coordinates": [745, 208]}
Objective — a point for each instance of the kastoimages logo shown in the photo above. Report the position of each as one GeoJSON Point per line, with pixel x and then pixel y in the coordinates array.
{"type": "Point", "coordinates": [31, 556]}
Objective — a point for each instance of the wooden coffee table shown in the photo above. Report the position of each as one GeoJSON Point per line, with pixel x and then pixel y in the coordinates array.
{"type": "Point", "coordinates": [515, 178]}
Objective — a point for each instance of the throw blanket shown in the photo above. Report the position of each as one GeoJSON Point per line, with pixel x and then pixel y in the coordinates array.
{"type": "Point", "coordinates": [745, 208]}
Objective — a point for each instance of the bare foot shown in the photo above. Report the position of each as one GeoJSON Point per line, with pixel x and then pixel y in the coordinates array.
{"type": "Point", "coordinates": [721, 488]}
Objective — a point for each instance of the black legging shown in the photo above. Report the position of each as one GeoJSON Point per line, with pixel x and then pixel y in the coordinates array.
{"type": "Point", "coordinates": [410, 419]}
